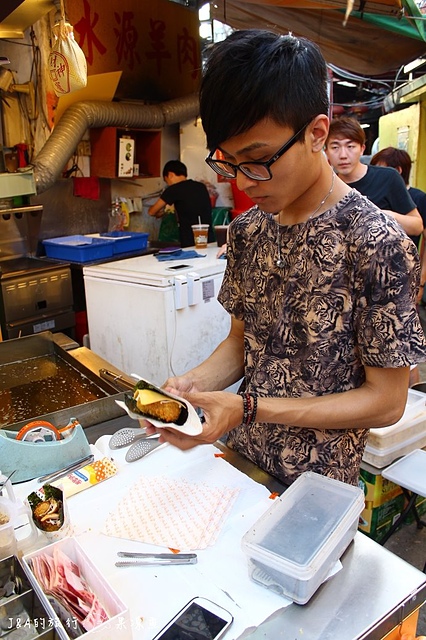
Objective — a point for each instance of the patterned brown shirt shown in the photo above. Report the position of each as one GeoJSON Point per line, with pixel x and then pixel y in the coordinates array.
{"type": "Point", "coordinates": [344, 299]}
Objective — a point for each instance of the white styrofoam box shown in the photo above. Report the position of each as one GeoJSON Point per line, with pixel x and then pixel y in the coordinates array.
{"type": "Point", "coordinates": [119, 624]}
{"type": "Point", "coordinates": [382, 456]}
{"type": "Point", "coordinates": [397, 434]}
{"type": "Point", "coordinates": [294, 545]}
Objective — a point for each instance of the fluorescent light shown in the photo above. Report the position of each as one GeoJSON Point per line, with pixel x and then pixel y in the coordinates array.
{"type": "Point", "coordinates": [205, 30]}
{"type": "Point", "coordinates": [204, 12]}
{"type": "Point", "coordinates": [345, 83]}
{"type": "Point", "coordinates": [414, 64]}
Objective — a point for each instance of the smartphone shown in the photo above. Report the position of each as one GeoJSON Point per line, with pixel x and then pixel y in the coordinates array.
{"type": "Point", "coordinates": [178, 266]}
{"type": "Point", "coordinates": [199, 619]}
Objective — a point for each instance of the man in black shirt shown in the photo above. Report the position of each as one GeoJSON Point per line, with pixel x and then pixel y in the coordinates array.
{"type": "Point", "coordinates": [382, 185]}
{"type": "Point", "coordinates": [190, 198]}
{"type": "Point", "coordinates": [400, 160]}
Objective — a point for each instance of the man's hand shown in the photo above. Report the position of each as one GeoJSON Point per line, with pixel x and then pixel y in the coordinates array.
{"type": "Point", "coordinates": [222, 412]}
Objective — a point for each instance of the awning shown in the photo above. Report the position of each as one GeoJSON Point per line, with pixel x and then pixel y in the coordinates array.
{"type": "Point", "coordinates": [380, 36]}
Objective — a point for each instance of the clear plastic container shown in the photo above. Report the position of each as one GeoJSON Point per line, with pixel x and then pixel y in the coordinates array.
{"type": "Point", "coordinates": [118, 626]}
{"type": "Point", "coordinates": [294, 545]}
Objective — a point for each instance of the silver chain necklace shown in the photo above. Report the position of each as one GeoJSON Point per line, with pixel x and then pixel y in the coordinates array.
{"type": "Point", "coordinates": [279, 261]}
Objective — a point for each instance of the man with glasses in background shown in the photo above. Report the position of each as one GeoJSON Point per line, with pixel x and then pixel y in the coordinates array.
{"type": "Point", "coordinates": [319, 283]}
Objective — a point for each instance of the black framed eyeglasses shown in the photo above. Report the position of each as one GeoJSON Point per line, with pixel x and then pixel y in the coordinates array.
{"type": "Point", "coordinates": [253, 170]}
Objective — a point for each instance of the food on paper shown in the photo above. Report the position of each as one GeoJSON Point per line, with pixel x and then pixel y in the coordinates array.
{"type": "Point", "coordinates": [156, 405]}
{"type": "Point", "coordinates": [62, 581]}
{"type": "Point", "coordinates": [149, 401]}
{"type": "Point", "coordinates": [187, 422]}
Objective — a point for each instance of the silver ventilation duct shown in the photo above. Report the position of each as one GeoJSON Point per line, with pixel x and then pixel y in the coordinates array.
{"type": "Point", "coordinates": [70, 129]}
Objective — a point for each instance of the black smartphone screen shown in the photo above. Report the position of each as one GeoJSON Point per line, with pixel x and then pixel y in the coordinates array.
{"type": "Point", "coordinates": [195, 623]}
{"type": "Point", "coordinates": [178, 266]}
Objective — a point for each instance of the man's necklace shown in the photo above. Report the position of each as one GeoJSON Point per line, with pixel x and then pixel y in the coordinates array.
{"type": "Point", "coordinates": [279, 261]}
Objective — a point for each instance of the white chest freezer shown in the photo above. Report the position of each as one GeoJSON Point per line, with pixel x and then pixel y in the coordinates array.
{"type": "Point", "coordinates": [156, 319]}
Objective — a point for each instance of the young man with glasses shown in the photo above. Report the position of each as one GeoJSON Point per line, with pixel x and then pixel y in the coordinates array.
{"type": "Point", "coordinates": [319, 283]}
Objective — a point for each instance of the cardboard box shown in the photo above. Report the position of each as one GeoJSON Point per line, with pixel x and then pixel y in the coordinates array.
{"type": "Point", "coordinates": [118, 626]}
{"type": "Point", "coordinates": [377, 521]}
{"type": "Point", "coordinates": [377, 490]}
{"type": "Point", "coordinates": [384, 502]}
{"type": "Point", "coordinates": [421, 509]}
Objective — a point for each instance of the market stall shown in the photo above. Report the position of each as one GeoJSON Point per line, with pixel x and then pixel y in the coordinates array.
{"type": "Point", "coordinates": [370, 597]}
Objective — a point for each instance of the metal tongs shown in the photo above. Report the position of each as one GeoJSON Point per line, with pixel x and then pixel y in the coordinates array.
{"type": "Point", "coordinates": [147, 559]}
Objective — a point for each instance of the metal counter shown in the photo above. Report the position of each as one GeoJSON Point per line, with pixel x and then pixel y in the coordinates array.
{"type": "Point", "coordinates": [373, 593]}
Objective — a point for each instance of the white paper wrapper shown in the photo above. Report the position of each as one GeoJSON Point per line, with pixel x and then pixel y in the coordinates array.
{"type": "Point", "coordinates": [191, 427]}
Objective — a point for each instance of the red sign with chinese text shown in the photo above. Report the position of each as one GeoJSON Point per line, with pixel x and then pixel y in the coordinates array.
{"type": "Point", "coordinates": [155, 45]}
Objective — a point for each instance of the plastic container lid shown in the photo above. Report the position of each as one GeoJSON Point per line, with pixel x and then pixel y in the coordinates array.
{"type": "Point", "coordinates": [409, 472]}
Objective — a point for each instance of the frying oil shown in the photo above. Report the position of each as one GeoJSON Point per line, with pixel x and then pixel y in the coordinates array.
{"type": "Point", "coordinates": [42, 385]}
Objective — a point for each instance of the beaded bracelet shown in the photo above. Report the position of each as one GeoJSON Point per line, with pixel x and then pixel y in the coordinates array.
{"type": "Point", "coordinates": [249, 409]}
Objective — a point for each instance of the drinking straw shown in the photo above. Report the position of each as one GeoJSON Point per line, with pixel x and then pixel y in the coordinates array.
{"type": "Point", "coordinates": [199, 220]}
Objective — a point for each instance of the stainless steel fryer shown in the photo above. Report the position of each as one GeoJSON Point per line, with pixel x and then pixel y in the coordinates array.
{"type": "Point", "coordinates": [39, 379]}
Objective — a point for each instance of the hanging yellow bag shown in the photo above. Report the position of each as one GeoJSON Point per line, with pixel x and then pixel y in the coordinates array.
{"type": "Point", "coordinates": [67, 62]}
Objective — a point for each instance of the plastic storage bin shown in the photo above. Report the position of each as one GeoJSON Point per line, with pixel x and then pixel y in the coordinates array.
{"type": "Point", "coordinates": [126, 241]}
{"type": "Point", "coordinates": [119, 624]}
{"type": "Point", "coordinates": [294, 545]}
{"type": "Point", "coordinates": [78, 248]}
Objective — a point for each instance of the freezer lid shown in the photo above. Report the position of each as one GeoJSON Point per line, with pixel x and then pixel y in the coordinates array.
{"type": "Point", "coordinates": [149, 271]}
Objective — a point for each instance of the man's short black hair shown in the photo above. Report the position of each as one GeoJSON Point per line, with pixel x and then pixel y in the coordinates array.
{"type": "Point", "coordinates": [256, 74]}
{"type": "Point", "coordinates": [175, 166]}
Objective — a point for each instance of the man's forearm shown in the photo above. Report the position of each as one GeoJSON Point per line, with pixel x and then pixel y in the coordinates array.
{"type": "Point", "coordinates": [379, 402]}
{"type": "Point", "coordinates": [412, 224]}
{"type": "Point", "coordinates": [224, 367]}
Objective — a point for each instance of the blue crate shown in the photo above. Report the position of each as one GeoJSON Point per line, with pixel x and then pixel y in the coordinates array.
{"type": "Point", "coordinates": [78, 248]}
{"type": "Point", "coordinates": [125, 241]}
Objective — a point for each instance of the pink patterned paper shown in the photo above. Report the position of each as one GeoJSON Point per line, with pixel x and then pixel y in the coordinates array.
{"type": "Point", "coordinates": [171, 513]}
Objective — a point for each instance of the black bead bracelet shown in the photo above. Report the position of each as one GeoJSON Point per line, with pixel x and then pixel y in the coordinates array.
{"type": "Point", "coordinates": [249, 408]}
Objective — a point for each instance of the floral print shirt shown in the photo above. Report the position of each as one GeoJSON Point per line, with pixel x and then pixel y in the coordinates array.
{"type": "Point", "coordinates": [344, 298]}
